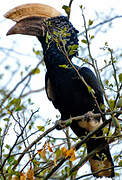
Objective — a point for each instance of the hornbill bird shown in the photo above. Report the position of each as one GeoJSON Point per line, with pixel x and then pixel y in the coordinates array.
{"type": "Point", "coordinates": [68, 92]}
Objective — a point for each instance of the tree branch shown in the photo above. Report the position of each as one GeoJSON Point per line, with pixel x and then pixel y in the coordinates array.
{"type": "Point", "coordinates": [101, 23]}
{"type": "Point", "coordinates": [32, 144]}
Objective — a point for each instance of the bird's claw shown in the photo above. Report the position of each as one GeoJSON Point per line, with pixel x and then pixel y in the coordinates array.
{"type": "Point", "coordinates": [59, 125]}
{"type": "Point", "coordinates": [89, 116]}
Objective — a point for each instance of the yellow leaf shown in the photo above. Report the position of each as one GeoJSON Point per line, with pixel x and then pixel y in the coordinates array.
{"type": "Point", "coordinates": [39, 151]}
{"type": "Point", "coordinates": [54, 159]}
{"type": "Point", "coordinates": [30, 174]}
{"type": "Point", "coordinates": [63, 150]}
{"type": "Point", "coordinates": [70, 152]}
{"type": "Point", "coordinates": [73, 157]}
{"type": "Point", "coordinates": [41, 128]}
{"type": "Point", "coordinates": [36, 71]}
{"type": "Point", "coordinates": [117, 174]}
{"type": "Point", "coordinates": [22, 176]}
{"type": "Point", "coordinates": [105, 130]}
{"type": "Point", "coordinates": [42, 153]}
{"type": "Point", "coordinates": [9, 112]}
{"type": "Point", "coordinates": [63, 66]}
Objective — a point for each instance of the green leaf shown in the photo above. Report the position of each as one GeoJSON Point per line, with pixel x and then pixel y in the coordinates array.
{"type": "Point", "coordinates": [13, 105]}
{"type": "Point", "coordinates": [120, 77]}
{"type": "Point", "coordinates": [37, 52]}
{"type": "Point", "coordinates": [102, 106]}
{"type": "Point", "coordinates": [92, 37]}
{"type": "Point", "coordinates": [117, 174]}
{"type": "Point", "coordinates": [10, 159]}
{"type": "Point", "coordinates": [63, 66]}
{"type": "Point", "coordinates": [10, 171]}
{"type": "Point", "coordinates": [106, 82]}
{"type": "Point", "coordinates": [120, 163]}
{"type": "Point", "coordinates": [81, 6]}
{"type": "Point", "coordinates": [48, 37]}
{"type": "Point", "coordinates": [84, 41]}
{"type": "Point", "coordinates": [67, 9]}
{"type": "Point", "coordinates": [19, 108]}
{"type": "Point", "coordinates": [2, 178]}
{"type": "Point", "coordinates": [90, 89]}
{"type": "Point", "coordinates": [90, 22]}
{"type": "Point", "coordinates": [36, 163]}
{"type": "Point", "coordinates": [6, 119]}
{"type": "Point", "coordinates": [36, 71]}
{"type": "Point", "coordinates": [67, 170]}
{"type": "Point", "coordinates": [116, 123]}
{"type": "Point", "coordinates": [58, 153]}
{"type": "Point", "coordinates": [72, 49]}
{"type": "Point", "coordinates": [111, 104]}
{"type": "Point", "coordinates": [71, 52]}
{"type": "Point", "coordinates": [119, 103]}
{"type": "Point", "coordinates": [74, 46]}
{"type": "Point", "coordinates": [19, 147]}
{"type": "Point", "coordinates": [68, 123]}
{"type": "Point", "coordinates": [41, 128]}
{"type": "Point", "coordinates": [7, 146]}
{"type": "Point", "coordinates": [105, 130]}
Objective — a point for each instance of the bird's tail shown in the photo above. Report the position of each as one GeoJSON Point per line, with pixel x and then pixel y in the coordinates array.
{"type": "Point", "coordinates": [97, 148]}
{"type": "Point", "coordinates": [101, 161]}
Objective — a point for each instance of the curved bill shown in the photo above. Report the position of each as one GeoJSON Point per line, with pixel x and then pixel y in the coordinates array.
{"type": "Point", "coordinates": [28, 26]}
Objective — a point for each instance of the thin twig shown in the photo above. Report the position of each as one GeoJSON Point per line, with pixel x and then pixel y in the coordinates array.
{"type": "Point", "coordinates": [101, 23]}
{"type": "Point", "coordinates": [17, 85]}
{"type": "Point", "coordinates": [32, 144]}
{"type": "Point", "coordinates": [10, 151]}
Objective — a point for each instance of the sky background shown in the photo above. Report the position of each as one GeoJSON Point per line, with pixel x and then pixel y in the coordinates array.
{"type": "Point", "coordinates": [24, 44]}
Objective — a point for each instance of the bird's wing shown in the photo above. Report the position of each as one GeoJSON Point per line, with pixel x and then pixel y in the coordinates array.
{"type": "Point", "coordinates": [49, 88]}
{"type": "Point", "coordinates": [93, 82]}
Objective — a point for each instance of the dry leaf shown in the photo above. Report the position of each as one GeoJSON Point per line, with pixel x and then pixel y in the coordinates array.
{"type": "Point", "coordinates": [22, 176]}
{"type": "Point", "coordinates": [54, 159]}
{"type": "Point", "coordinates": [49, 148]}
{"type": "Point", "coordinates": [30, 174]}
{"type": "Point", "coordinates": [64, 151]}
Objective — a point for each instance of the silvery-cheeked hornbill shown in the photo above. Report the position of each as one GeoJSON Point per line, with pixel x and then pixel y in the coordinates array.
{"type": "Point", "coordinates": [64, 88]}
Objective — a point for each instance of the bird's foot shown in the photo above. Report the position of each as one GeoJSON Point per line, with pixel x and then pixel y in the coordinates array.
{"type": "Point", "coordinates": [60, 125]}
{"type": "Point", "coordinates": [88, 116]}
{"type": "Point", "coordinates": [89, 123]}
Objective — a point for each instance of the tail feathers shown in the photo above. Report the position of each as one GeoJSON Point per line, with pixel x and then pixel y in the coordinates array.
{"type": "Point", "coordinates": [98, 166]}
{"type": "Point", "coordinates": [101, 162]}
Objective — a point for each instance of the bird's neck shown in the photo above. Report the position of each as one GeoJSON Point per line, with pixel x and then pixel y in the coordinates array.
{"type": "Point", "coordinates": [54, 58]}
{"type": "Point", "coordinates": [59, 38]}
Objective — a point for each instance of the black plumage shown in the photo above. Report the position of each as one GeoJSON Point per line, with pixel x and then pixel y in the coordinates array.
{"type": "Point", "coordinates": [64, 88]}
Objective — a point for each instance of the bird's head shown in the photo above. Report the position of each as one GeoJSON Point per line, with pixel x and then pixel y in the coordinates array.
{"type": "Point", "coordinates": [43, 21]}
{"type": "Point", "coordinates": [30, 18]}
